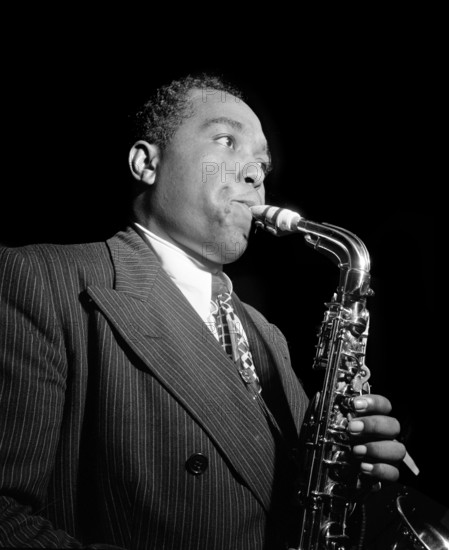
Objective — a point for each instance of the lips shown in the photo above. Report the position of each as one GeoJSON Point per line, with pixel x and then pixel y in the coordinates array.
{"type": "Point", "coordinates": [244, 211]}
{"type": "Point", "coordinates": [247, 202]}
{"type": "Point", "coordinates": [244, 207]}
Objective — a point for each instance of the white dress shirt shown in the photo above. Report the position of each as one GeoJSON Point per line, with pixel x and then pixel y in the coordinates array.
{"type": "Point", "coordinates": [192, 277]}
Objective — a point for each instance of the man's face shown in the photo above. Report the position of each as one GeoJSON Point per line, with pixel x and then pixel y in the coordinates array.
{"type": "Point", "coordinates": [210, 173]}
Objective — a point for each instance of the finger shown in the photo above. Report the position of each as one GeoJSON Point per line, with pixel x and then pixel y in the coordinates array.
{"type": "Point", "coordinates": [380, 451]}
{"type": "Point", "coordinates": [380, 471]}
{"type": "Point", "coordinates": [371, 404]}
{"type": "Point", "coordinates": [377, 426]}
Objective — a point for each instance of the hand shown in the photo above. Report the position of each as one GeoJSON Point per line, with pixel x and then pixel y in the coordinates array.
{"type": "Point", "coordinates": [373, 437]}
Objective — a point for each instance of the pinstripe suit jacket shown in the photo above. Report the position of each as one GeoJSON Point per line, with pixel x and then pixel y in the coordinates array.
{"type": "Point", "coordinates": [110, 381]}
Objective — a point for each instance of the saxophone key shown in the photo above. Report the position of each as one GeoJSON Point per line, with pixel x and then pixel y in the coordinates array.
{"type": "Point", "coordinates": [359, 383]}
{"type": "Point", "coordinates": [343, 444]}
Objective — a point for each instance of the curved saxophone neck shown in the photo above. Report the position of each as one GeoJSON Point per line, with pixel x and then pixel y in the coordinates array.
{"type": "Point", "coordinates": [344, 248]}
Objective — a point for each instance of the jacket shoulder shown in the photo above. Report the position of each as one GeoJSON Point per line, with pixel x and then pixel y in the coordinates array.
{"type": "Point", "coordinates": [86, 261]}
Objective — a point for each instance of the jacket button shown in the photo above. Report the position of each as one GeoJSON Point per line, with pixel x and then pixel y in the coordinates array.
{"type": "Point", "coordinates": [197, 464]}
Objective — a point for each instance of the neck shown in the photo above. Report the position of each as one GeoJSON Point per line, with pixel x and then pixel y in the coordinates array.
{"type": "Point", "coordinates": [157, 231]}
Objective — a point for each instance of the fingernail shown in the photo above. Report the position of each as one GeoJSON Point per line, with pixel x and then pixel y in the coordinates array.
{"type": "Point", "coordinates": [360, 404]}
{"type": "Point", "coordinates": [366, 467]}
{"type": "Point", "coordinates": [360, 450]}
{"type": "Point", "coordinates": [356, 426]}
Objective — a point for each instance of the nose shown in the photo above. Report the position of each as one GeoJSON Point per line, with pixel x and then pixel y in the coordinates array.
{"type": "Point", "coordinates": [253, 174]}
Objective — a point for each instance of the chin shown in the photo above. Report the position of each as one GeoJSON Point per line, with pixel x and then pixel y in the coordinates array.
{"type": "Point", "coordinates": [227, 244]}
{"type": "Point", "coordinates": [231, 251]}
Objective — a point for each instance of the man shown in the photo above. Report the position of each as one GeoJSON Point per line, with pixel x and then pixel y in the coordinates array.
{"type": "Point", "coordinates": [124, 422]}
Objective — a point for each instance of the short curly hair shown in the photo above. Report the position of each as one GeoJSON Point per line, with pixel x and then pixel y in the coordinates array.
{"type": "Point", "coordinates": [157, 120]}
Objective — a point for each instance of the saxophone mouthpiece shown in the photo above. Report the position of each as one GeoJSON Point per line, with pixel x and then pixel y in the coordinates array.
{"type": "Point", "coordinates": [275, 219]}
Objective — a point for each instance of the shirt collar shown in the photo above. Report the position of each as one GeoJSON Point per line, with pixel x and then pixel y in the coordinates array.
{"type": "Point", "coordinates": [192, 277]}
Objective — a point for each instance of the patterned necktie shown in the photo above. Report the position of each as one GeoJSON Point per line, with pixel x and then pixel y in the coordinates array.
{"type": "Point", "coordinates": [232, 338]}
{"type": "Point", "coordinates": [231, 335]}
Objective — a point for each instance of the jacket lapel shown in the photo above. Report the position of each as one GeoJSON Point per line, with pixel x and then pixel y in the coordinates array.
{"type": "Point", "coordinates": [158, 323]}
{"type": "Point", "coordinates": [277, 346]}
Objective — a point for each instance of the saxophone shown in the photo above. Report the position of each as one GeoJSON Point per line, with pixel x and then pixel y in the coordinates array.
{"type": "Point", "coordinates": [329, 478]}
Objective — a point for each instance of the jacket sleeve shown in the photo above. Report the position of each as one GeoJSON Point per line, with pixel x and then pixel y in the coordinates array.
{"type": "Point", "coordinates": [32, 388]}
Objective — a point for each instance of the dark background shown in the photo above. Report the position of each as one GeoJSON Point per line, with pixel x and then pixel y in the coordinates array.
{"type": "Point", "coordinates": [353, 122]}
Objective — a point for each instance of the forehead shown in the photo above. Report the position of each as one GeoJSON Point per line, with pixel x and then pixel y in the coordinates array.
{"type": "Point", "coordinates": [211, 104]}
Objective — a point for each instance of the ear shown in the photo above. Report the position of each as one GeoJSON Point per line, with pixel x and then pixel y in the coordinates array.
{"type": "Point", "coordinates": [143, 160]}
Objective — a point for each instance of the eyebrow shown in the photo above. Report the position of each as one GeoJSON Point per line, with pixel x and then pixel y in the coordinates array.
{"type": "Point", "coordinates": [235, 124]}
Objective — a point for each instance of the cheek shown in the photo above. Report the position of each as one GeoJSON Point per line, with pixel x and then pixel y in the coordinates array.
{"type": "Point", "coordinates": [194, 192]}
{"type": "Point", "coordinates": [177, 189]}
{"type": "Point", "coordinates": [219, 207]}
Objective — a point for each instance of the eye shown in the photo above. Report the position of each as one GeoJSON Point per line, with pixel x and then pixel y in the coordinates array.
{"type": "Point", "coordinates": [227, 141]}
